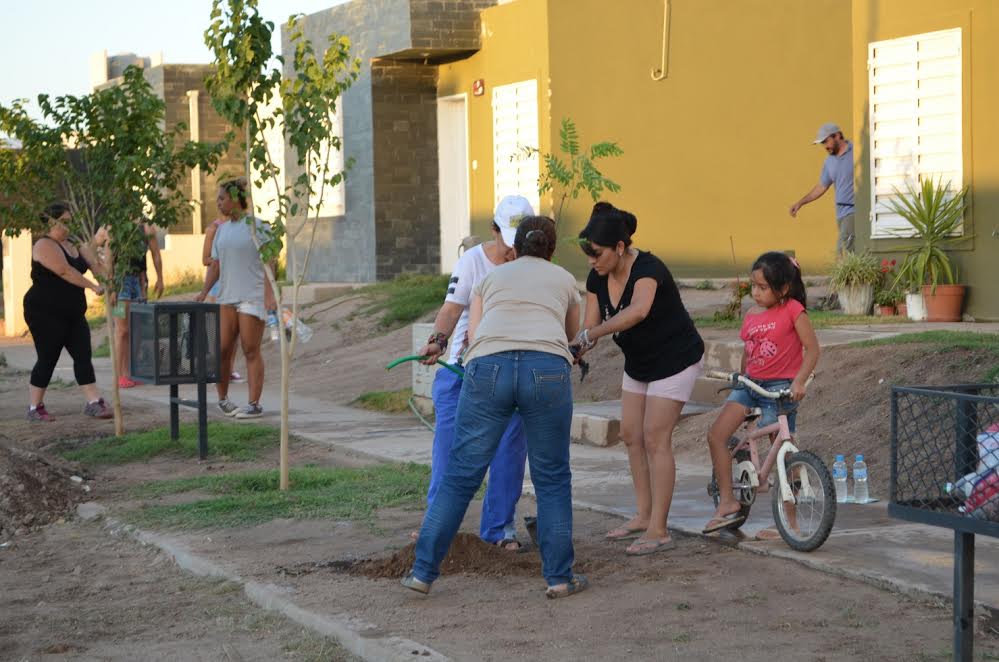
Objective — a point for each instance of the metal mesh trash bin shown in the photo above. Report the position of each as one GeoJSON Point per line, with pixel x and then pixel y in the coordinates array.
{"type": "Point", "coordinates": [945, 472]}
{"type": "Point", "coordinates": [174, 343]}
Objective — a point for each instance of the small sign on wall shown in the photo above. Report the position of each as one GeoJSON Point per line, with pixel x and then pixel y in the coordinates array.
{"type": "Point", "coordinates": [479, 87]}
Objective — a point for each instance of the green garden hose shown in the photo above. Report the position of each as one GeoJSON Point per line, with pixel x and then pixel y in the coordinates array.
{"type": "Point", "coordinates": [444, 364]}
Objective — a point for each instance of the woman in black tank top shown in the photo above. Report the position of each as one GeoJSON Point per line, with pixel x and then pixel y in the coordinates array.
{"type": "Point", "coordinates": [55, 308]}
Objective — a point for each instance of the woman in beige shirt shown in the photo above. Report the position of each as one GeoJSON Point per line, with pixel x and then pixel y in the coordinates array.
{"type": "Point", "coordinates": [522, 317]}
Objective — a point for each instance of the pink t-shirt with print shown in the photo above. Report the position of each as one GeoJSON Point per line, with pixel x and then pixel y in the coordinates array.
{"type": "Point", "coordinates": [773, 348]}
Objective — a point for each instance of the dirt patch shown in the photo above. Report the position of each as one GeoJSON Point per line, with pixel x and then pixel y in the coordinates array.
{"type": "Point", "coordinates": [78, 592]}
{"type": "Point", "coordinates": [468, 555]}
{"type": "Point", "coordinates": [36, 490]}
{"type": "Point", "coordinates": [695, 602]}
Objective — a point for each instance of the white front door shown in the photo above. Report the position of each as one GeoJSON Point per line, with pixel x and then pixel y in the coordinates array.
{"type": "Point", "coordinates": [452, 159]}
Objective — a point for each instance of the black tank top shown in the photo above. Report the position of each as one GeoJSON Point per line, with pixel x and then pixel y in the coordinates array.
{"type": "Point", "coordinates": [52, 291]}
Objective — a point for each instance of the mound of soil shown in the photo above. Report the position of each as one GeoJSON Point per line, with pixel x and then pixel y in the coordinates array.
{"type": "Point", "coordinates": [35, 490]}
{"type": "Point", "coordinates": [469, 555]}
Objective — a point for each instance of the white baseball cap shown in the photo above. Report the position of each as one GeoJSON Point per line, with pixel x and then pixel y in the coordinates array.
{"type": "Point", "coordinates": [509, 213]}
{"type": "Point", "coordinates": [826, 130]}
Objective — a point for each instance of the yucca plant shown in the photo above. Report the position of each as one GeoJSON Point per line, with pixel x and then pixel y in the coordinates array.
{"type": "Point", "coordinates": [935, 213]}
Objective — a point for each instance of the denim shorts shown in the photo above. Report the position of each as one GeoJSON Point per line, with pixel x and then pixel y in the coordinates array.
{"type": "Point", "coordinates": [131, 290]}
{"type": "Point", "coordinates": [750, 399]}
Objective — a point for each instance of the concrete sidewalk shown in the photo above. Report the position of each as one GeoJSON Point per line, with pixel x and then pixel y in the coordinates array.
{"type": "Point", "coordinates": [865, 544]}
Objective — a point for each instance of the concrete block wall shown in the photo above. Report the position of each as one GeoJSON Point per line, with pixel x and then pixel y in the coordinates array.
{"type": "Point", "coordinates": [391, 222]}
{"type": "Point", "coordinates": [404, 118]}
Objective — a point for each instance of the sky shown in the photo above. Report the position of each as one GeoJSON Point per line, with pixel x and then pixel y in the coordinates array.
{"type": "Point", "coordinates": [45, 45]}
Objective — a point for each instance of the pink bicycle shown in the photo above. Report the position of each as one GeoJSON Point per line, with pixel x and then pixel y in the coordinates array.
{"type": "Point", "coordinates": [804, 501]}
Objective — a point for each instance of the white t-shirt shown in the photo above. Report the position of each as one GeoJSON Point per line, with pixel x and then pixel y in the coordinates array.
{"type": "Point", "coordinates": [472, 267]}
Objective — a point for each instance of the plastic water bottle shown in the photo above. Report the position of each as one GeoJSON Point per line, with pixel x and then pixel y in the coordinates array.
{"type": "Point", "coordinates": [839, 479]}
{"type": "Point", "coordinates": [272, 324]}
{"type": "Point", "coordinates": [304, 332]}
{"type": "Point", "coordinates": [861, 494]}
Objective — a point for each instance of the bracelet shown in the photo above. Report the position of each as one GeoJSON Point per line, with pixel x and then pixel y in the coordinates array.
{"type": "Point", "coordinates": [439, 338]}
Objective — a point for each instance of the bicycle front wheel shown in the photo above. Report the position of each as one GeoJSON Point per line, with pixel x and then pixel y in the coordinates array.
{"type": "Point", "coordinates": [806, 523]}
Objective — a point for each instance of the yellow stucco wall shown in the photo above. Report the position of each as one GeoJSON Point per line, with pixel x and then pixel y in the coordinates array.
{"type": "Point", "coordinates": [514, 49]}
{"type": "Point", "coordinates": [877, 20]}
{"type": "Point", "coordinates": [720, 148]}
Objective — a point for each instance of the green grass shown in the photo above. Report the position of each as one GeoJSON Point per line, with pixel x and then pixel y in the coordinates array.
{"type": "Point", "coordinates": [704, 285]}
{"type": "Point", "coordinates": [821, 319]}
{"type": "Point", "coordinates": [405, 299]}
{"type": "Point", "coordinates": [102, 351]}
{"type": "Point", "coordinates": [189, 281]}
{"type": "Point", "coordinates": [392, 402]}
{"type": "Point", "coordinates": [946, 341]}
{"type": "Point", "coordinates": [246, 498]}
{"type": "Point", "coordinates": [232, 441]}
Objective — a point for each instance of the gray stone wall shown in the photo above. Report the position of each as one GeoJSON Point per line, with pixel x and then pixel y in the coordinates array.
{"type": "Point", "coordinates": [391, 223]}
{"type": "Point", "coordinates": [404, 117]}
{"type": "Point", "coordinates": [177, 80]}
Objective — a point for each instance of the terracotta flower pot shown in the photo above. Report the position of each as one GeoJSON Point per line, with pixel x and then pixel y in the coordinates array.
{"type": "Point", "coordinates": [903, 309]}
{"type": "Point", "coordinates": [945, 303]}
{"type": "Point", "coordinates": [887, 311]}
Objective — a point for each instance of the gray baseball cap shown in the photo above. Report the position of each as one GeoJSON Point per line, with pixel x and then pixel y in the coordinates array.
{"type": "Point", "coordinates": [825, 131]}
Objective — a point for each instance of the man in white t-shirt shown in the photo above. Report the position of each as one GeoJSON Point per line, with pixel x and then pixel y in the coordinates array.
{"type": "Point", "coordinates": [506, 472]}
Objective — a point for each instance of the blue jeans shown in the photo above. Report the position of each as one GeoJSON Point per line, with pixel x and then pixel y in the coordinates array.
{"type": "Point", "coordinates": [771, 408]}
{"type": "Point", "coordinates": [506, 471]}
{"type": "Point", "coordinates": [538, 386]}
{"type": "Point", "coordinates": [132, 290]}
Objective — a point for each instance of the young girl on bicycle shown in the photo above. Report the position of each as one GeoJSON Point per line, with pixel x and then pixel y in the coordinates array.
{"type": "Point", "coordinates": [780, 352]}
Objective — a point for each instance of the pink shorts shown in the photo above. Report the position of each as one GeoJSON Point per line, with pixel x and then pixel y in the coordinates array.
{"type": "Point", "coordinates": [676, 387]}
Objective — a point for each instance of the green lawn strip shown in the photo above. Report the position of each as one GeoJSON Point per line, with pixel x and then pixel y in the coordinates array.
{"type": "Point", "coordinates": [102, 351]}
{"type": "Point", "coordinates": [252, 497]}
{"type": "Point", "coordinates": [821, 319]}
{"type": "Point", "coordinates": [391, 402]}
{"type": "Point", "coordinates": [406, 298]}
{"type": "Point", "coordinates": [232, 441]}
{"type": "Point", "coordinates": [946, 341]}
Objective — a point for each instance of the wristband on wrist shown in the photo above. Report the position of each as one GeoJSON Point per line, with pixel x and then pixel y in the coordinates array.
{"type": "Point", "coordinates": [438, 338]}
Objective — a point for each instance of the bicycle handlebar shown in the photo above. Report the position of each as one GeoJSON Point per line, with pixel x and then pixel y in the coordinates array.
{"type": "Point", "coordinates": [738, 378]}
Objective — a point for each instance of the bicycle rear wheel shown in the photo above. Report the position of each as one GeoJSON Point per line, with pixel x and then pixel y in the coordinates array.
{"type": "Point", "coordinates": [805, 524]}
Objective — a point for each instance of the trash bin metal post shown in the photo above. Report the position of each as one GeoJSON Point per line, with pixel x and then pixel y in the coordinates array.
{"type": "Point", "coordinates": [199, 329]}
{"type": "Point", "coordinates": [174, 412]}
{"type": "Point", "coordinates": [964, 596]}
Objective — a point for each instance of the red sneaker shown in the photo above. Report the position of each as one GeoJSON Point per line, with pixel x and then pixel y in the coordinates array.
{"type": "Point", "coordinates": [39, 413]}
{"type": "Point", "coordinates": [125, 382]}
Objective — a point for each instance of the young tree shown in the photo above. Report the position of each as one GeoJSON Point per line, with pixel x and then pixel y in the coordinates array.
{"type": "Point", "coordinates": [574, 171]}
{"type": "Point", "coordinates": [243, 87]}
{"type": "Point", "coordinates": [107, 154]}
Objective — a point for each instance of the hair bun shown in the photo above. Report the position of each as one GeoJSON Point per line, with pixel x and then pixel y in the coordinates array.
{"type": "Point", "coordinates": [630, 221]}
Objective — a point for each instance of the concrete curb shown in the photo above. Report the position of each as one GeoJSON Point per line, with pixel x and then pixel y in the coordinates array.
{"type": "Point", "coordinates": [366, 640]}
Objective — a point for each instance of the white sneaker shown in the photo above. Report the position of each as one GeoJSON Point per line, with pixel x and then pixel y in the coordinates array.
{"type": "Point", "coordinates": [252, 410]}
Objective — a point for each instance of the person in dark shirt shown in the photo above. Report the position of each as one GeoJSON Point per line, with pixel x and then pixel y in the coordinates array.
{"type": "Point", "coordinates": [631, 295]}
{"type": "Point", "coordinates": [55, 309]}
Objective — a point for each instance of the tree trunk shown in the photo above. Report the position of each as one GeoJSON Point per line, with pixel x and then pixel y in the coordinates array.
{"type": "Point", "coordinates": [119, 424]}
{"type": "Point", "coordinates": [285, 385]}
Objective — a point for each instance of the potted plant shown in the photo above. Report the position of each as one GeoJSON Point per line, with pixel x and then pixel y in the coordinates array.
{"type": "Point", "coordinates": [854, 276]}
{"type": "Point", "coordinates": [935, 213]}
{"type": "Point", "coordinates": [887, 301]}
{"type": "Point", "coordinates": [886, 296]}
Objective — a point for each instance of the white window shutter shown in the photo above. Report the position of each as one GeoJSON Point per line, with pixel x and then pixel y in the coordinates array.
{"type": "Point", "coordinates": [515, 126]}
{"type": "Point", "coordinates": [333, 198]}
{"type": "Point", "coordinates": [915, 119]}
